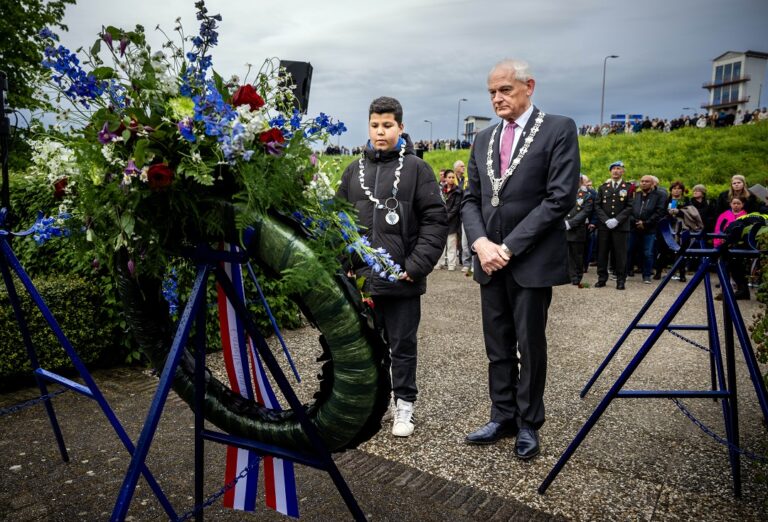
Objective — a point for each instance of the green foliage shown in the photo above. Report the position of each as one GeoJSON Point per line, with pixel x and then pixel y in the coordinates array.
{"type": "Point", "coordinates": [21, 50]}
{"type": "Point", "coordinates": [76, 304]}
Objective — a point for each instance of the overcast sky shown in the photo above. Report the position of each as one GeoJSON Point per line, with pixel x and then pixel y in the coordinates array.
{"type": "Point", "coordinates": [431, 53]}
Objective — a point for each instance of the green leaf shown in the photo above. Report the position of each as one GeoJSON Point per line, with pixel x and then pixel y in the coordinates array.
{"type": "Point", "coordinates": [96, 47]}
{"type": "Point", "coordinates": [139, 152]}
{"type": "Point", "coordinates": [126, 135]}
{"type": "Point", "coordinates": [104, 73]}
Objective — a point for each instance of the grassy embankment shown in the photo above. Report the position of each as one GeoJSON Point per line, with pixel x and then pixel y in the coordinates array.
{"type": "Point", "coordinates": [708, 156]}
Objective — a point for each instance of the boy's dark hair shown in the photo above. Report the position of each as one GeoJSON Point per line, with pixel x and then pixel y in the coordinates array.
{"type": "Point", "coordinates": [448, 171]}
{"type": "Point", "coordinates": [386, 105]}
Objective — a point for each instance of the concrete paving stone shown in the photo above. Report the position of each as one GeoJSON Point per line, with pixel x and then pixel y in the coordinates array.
{"type": "Point", "coordinates": [459, 498]}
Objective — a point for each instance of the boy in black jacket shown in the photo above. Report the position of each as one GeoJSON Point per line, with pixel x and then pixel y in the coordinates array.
{"type": "Point", "coordinates": [399, 205]}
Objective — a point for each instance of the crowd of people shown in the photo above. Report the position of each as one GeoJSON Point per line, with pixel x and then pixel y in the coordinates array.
{"type": "Point", "coordinates": [715, 119]}
{"type": "Point", "coordinates": [615, 226]}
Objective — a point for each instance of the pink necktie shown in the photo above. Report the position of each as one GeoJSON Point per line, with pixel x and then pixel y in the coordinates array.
{"type": "Point", "coordinates": [506, 146]}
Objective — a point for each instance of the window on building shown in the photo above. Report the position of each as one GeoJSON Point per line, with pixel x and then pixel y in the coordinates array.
{"type": "Point", "coordinates": [716, 95]}
{"type": "Point", "coordinates": [718, 74]}
{"type": "Point", "coordinates": [727, 68]}
{"type": "Point", "coordinates": [734, 92]}
{"type": "Point", "coordinates": [469, 128]}
{"type": "Point", "coordinates": [737, 70]}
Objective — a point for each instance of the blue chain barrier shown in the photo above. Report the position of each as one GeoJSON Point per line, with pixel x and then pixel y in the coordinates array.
{"type": "Point", "coordinates": [718, 438]}
{"type": "Point", "coordinates": [29, 403]}
{"type": "Point", "coordinates": [689, 341]}
{"type": "Point", "coordinates": [210, 500]}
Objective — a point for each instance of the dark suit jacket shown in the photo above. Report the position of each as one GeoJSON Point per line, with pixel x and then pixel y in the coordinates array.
{"type": "Point", "coordinates": [534, 201]}
{"type": "Point", "coordinates": [579, 215]}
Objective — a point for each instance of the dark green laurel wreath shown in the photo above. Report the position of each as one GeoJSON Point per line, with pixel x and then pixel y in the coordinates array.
{"type": "Point", "coordinates": [354, 382]}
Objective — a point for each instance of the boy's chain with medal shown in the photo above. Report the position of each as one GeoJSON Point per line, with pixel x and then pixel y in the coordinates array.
{"type": "Point", "coordinates": [497, 183]}
{"type": "Point", "coordinates": [390, 204]}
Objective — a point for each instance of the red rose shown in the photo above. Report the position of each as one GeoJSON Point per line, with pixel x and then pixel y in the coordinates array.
{"type": "Point", "coordinates": [159, 176]}
{"type": "Point", "coordinates": [59, 188]}
{"type": "Point", "coordinates": [247, 95]}
{"type": "Point", "coordinates": [272, 135]}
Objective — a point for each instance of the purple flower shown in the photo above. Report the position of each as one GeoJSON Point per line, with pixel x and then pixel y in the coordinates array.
{"type": "Point", "coordinates": [123, 45]}
{"type": "Point", "coordinates": [107, 37]}
{"type": "Point", "coordinates": [131, 267]}
{"type": "Point", "coordinates": [105, 136]}
{"type": "Point", "coordinates": [313, 159]}
{"type": "Point", "coordinates": [131, 169]}
{"type": "Point", "coordinates": [274, 148]}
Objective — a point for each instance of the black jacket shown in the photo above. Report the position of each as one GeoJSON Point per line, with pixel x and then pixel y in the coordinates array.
{"type": "Point", "coordinates": [453, 210]}
{"type": "Point", "coordinates": [418, 239]}
{"type": "Point", "coordinates": [648, 208]}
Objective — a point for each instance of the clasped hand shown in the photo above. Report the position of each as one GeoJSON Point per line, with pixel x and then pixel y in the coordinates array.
{"type": "Point", "coordinates": [491, 255]}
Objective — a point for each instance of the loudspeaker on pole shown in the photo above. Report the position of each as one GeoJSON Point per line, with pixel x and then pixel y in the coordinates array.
{"type": "Point", "coordinates": [301, 72]}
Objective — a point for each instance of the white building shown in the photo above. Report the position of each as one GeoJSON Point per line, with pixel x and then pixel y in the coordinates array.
{"type": "Point", "coordinates": [473, 125]}
{"type": "Point", "coordinates": [737, 82]}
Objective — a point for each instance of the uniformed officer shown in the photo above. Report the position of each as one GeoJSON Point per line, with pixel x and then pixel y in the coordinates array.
{"type": "Point", "coordinates": [614, 208]}
{"type": "Point", "coordinates": [576, 230]}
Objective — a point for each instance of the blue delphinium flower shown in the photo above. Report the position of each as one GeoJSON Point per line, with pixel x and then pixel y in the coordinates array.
{"type": "Point", "coordinates": [46, 228]}
{"type": "Point", "coordinates": [170, 290]}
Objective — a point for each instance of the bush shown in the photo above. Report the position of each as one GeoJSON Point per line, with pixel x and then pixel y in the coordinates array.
{"type": "Point", "coordinates": [75, 303]}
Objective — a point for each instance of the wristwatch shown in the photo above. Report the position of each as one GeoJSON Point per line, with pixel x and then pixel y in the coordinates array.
{"type": "Point", "coordinates": [506, 250]}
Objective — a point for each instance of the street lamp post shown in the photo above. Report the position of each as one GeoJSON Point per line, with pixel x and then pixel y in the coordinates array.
{"type": "Point", "coordinates": [430, 131]}
{"type": "Point", "coordinates": [602, 95]}
{"type": "Point", "coordinates": [458, 112]}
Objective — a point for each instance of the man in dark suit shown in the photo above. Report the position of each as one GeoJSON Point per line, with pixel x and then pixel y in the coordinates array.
{"type": "Point", "coordinates": [614, 210]}
{"type": "Point", "coordinates": [576, 230]}
{"type": "Point", "coordinates": [523, 177]}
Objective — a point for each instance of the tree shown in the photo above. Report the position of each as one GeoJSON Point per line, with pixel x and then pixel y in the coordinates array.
{"type": "Point", "coordinates": [21, 52]}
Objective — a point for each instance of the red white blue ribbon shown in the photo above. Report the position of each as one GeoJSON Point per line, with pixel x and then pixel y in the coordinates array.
{"type": "Point", "coordinates": [248, 378]}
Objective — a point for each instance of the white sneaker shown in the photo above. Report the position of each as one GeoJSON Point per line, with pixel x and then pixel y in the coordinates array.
{"type": "Point", "coordinates": [403, 425]}
{"type": "Point", "coordinates": [464, 269]}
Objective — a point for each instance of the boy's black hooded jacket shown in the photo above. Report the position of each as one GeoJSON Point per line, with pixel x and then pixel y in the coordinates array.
{"type": "Point", "coordinates": [417, 240]}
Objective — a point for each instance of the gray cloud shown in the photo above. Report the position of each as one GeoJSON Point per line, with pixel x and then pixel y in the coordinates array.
{"type": "Point", "coordinates": [431, 53]}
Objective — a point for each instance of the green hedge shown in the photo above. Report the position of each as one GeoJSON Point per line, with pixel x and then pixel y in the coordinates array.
{"type": "Point", "coordinates": [75, 304]}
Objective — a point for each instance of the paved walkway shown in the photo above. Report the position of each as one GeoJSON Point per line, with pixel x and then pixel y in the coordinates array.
{"type": "Point", "coordinates": [643, 461]}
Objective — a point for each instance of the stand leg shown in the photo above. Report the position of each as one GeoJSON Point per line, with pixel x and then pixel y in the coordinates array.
{"type": "Point", "coordinates": [730, 359]}
{"type": "Point", "coordinates": [13, 297]}
{"type": "Point", "coordinates": [625, 375]}
{"type": "Point", "coordinates": [161, 395]}
{"type": "Point", "coordinates": [199, 411]}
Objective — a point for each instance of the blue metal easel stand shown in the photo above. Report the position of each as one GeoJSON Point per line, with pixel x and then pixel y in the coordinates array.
{"type": "Point", "coordinates": [194, 312]}
{"type": "Point", "coordinates": [724, 386]}
{"type": "Point", "coordinates": [8, 264]}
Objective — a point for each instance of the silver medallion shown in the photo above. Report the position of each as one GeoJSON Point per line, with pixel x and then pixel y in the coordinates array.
{"type": "Point", "coordinates": [495, 201]}
{"type": "Point", "coordinates": [392, 218]}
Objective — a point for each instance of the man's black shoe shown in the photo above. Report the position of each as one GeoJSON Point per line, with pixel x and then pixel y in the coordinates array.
{"type": "Point", "coordinates": [491, 433]}
{"type": "Point", "coordinates": [620, 285]}
{"type": "Point", "coordinates": [575, 282]}
{"type": "Point", "coordinates": [630, 273]}
{"type": "Point", "coordinates": [527, 445]}
{"type": "Point", "coordinates": [600, 284]}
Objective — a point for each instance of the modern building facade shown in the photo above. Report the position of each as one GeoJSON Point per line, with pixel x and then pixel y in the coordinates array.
{"type": "Point", "coordinates": [737, 82]}
{"type": "Point", "coordinates": [473, 125]}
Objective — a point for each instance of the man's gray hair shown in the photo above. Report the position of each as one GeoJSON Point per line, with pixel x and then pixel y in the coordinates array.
{"type": "Point", "coordinates": [519, 67]}
{"type": "Point", "coordinates": [457, 163]}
